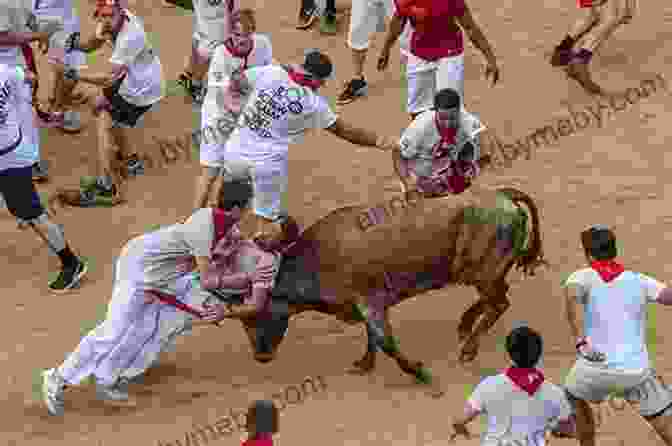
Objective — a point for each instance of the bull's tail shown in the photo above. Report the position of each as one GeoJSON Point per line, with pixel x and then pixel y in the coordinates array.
{"type": "Point", "coordinates": [533, 257]}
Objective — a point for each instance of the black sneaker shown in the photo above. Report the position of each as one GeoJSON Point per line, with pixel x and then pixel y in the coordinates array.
{"type": "Point", "coordinates": [40, 174]}
{"type": "Point", "coordinates": [69, 277]}
{"type": "Point", "coordinates": [135, 166]}
{"type": "Point", "coordinates": [353, 89]}
{"type": "Point", "coordinates": [307, 17]}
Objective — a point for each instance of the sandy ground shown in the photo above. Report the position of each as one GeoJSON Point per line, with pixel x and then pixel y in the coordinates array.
{"type": "Point", "coordinates": [613, 174]}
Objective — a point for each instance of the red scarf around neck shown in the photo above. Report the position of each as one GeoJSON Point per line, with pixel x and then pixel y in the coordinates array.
{"type": "Point", "coordinates": [526, 379]}
{"type": "Point", "coordinates": [607, 269]}
{"type": "Point", "coordinates": [302, 79]}
{"type": "Point", "coordinates": [260, 440]}
{"type": "Point", "coordinates": [448, 137]}
{"type": "Point", "coordinates": [236, 52]}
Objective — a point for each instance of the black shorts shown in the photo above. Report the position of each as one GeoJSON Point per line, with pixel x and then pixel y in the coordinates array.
{"type": "Point", "coordinates": [16, 187]}
{"type": "Point", "coordinates": [121, 111]}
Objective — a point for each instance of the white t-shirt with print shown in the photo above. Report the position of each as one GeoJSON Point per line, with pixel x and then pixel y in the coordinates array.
{"type": "Point", "coordinates": [278, 113]}
{"type": "Point", "coordinates": [418, 140]}
{"type": "Point", "coordinates": [212, 18]}
{"type": "Point", "coordinates": [513, 416]}
{"type": "Point", "coordinates": [144, 83]}
{"type": "Point", "coordinates": [615, 315]}
{"type": "Point", "coordinates": [15, 16]}
{"type": "Point", "coordinates": [60, 8]}
{"type": "Point", "coordinates": [224, 64]}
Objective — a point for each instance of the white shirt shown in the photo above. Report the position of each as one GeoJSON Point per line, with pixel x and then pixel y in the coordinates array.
{"type": "Point", "coordinates": [419, 139]}
{"type": "Point", "coordinates": [515, 416]}
{"type": "Point", "coordinates": [224, 64]}
{"type": "Point", "coordinates": [213, 17]}
{"type": "Point", "coordinates": [144, 84]}
{"type": "Point", "coordinates": [59, 8]}
{"type": "Point", "coordinates": [277, 114]}
{"type": "Point", "coordinates": [15, 16]}
{"type": "Point", "coordinates": [162, 250]}
{"type": "Point", "coordinates": [13, 90]}
{"type": "Point", "coordinates": [615, 315]}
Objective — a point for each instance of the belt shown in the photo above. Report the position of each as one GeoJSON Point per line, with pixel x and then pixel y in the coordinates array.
{"type": "Point", "coordinates": [13, 146]}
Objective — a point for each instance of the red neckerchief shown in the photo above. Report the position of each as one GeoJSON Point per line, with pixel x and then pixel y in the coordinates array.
{"type": "Point", "coordinates": [526, 379]}
{"type": "Point", "coordinates": [448, 138]}
{"type": "Point", "coordinates": [302, 79]}
{"type": "Point", "coordinates": [260, 440]}
{"type": "Point", "coordinates": [236, 52]}
{"type": "Point", "coordinates": [607, 269]}
{"type": "Point", "coordinates": [223, 222]}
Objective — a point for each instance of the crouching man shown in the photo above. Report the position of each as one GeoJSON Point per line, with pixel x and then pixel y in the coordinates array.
{"type": "Point", "coordinates": [439, 152]}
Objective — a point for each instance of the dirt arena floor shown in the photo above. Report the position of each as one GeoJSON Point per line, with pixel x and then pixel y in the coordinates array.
{"type": "Point", "coordinates": [612, 173]}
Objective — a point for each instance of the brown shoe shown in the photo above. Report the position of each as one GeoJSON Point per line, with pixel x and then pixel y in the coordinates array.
{"type": "Point", "coordinates": [580, 73]}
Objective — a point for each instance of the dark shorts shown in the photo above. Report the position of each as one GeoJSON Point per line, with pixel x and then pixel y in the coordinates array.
{"type": "Point", "coordinates": [123, 114]}
{"type": "Point", "coordinates": [16, 187]}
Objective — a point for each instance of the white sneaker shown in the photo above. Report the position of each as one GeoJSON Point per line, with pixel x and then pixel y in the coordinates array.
{"type": "Point", "coordinates": [72, 122]}
{"type": "Point", "coordinates": [52, 391]}
{"type": "Point", "coordinates": [115, 393]}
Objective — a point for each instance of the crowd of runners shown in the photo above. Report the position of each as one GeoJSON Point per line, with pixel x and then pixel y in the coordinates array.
{"type": "Point", "coordinates": [260, 107]}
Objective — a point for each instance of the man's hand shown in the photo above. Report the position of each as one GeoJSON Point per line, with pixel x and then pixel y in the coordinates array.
{"type": "Point", "coordinates": [585, 349]}
{"type": "Point", "coordinates": [384, 60]}
{"type": "Point", "coordinates": [492, 71]}
{"type": "Point", "coordinates": [216, 313]}
{"type": "Point", "coordinates": [387, 144]}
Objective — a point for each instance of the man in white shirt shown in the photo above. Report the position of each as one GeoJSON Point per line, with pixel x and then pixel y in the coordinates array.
{"type": "Point", "coordinates": [62, 94]}
{"type": "Point", "coordinates": [521, 405]}
{"type": "Point", "coordinates": [212, 26]}
{"type": "Point", "coordinates": [151, 267]}
{"type": "Point", "coordinates": [16, 184]}
{"type": "Point", "coordinates": [134, 85]}
{"type": "Point", "coordinates": [284, 104]}
{"type": "Point", "coordinates": [19, 27]}
{"type": "Point", "coordinates": [439, 152]}
{"type": "Point", "coordinates": [242, 50]}
{"type": "Point", "coordinates": [612, 353]}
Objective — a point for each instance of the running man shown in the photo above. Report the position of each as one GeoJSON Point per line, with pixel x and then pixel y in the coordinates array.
{"type": "Point", "coordinates": [16, 184]}
{"type": "Point", "coordinates": [222, 106]}
{"type": "Point", "coordinates": [439, 152]}
{"type": "Point", "coordinates": [612, 353]}
{"type": "Point", "coordinates": [19, 27]}
{"type": "Point", "coordinates": [133, 86]}
{"type": "Point", "coordinates": [62, 97]}
{"type": "Point", "coordinates": [212, 26]}
{"type": "Point", "coordinates": [601, 19]}
{"type": "Point", "coordinates": [436, 49]}
{"type": "Point", "coordinates": [151, 267]}
{"type": "Point", "coordinates": [284, 104]}
{"type": "Point", "coordinates": [521, 405]}
{"type": "Point", "coordinates": [366, 17]}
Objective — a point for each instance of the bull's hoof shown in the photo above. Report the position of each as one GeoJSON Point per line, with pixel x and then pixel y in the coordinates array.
{"type": "Point", "coordinates": [264, 358]}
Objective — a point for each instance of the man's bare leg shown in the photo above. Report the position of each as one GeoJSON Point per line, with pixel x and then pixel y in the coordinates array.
{"type": "Point", "coordinates": [204, 183]}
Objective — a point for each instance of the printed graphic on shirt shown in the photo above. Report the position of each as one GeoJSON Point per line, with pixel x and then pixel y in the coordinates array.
{"type": "Point", "coordinates": [272, 104]}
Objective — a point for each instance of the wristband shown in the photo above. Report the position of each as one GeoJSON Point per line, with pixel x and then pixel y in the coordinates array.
{"type": "Point", "coordinates": [71, 74]}
{"type": "Point", "coordinates": [72, 42]}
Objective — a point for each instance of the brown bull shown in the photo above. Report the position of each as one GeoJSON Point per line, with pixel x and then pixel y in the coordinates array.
{"type": "Point", "coordinates": [356, 270]}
